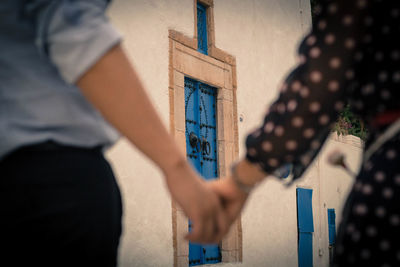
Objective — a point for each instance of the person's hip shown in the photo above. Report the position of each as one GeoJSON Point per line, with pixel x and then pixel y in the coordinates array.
{"type": "Point", "coordinates": [59, 200]}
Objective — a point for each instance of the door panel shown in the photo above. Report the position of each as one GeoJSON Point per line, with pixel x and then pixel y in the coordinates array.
{"type": "Point", "coordinates": [208, 131]}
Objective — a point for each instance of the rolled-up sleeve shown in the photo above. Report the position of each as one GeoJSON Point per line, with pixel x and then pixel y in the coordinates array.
{"type": "Point", "coordinates": [74, 34]}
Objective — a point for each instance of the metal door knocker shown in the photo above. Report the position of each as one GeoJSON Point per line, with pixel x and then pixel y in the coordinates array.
{"type": "Point", "coordinates": [199, 144]}
{"type": "Point", "coordinates": [195, 142]}
{"type": "Point", "coordinates": [205, 146]}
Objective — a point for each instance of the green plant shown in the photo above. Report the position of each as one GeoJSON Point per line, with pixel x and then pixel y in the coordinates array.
{"type": "Point", "coordinates": [348, 123]}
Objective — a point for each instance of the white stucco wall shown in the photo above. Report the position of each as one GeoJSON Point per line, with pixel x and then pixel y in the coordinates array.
{"type": "Point", "coordinates": [263, 36]}
{"type": "Point", "coordinates": [147, 236]}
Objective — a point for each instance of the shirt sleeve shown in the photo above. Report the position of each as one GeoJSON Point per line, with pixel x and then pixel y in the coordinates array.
{"type": "Point", "coordinates": [74, 35]}
{"type": "Point", "coordinates": [313, 94]}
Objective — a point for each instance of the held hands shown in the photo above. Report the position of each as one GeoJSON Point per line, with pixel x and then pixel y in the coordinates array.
{"type": "Point", "coordinates": [232, 200]}
{"type": "Point", "coordinates": [231, 194]}
{"type": "Point", "coordinates": [231, 197]}
{"type": "Point", "coordinates": [199, 203]}
{"type": "Point", "coordinates": [211, 206]}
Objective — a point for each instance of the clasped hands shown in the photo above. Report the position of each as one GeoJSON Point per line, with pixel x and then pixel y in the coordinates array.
{"type": "Point", "coordinates": [211, 206]}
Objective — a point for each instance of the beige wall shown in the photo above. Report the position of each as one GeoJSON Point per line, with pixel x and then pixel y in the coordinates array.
{"type": "Point", "coordinates": [147, 236]}
{"type": "Point", "coordinates": [263, 36]}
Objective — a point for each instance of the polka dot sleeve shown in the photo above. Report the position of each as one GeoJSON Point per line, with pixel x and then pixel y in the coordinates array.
{"type": "Point", "coordinates": [314, 93]}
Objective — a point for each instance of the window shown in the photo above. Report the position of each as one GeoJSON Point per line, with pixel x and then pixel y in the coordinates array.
{"type": "Point", "coordinates": [202, 42]}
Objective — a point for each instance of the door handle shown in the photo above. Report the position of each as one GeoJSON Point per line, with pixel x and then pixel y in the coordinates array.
{"type": "Point", "coordinates": [205, 146]}
{"type": "Point", "coordinates": [199, 144]}
{"type": "Point", "coordinates": [195, 142]}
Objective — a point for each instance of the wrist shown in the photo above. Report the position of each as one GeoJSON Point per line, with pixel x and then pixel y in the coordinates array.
{"type": "Point", "coordinates": [235, 190]}
{"type": "Point", "coordinates": [176, 169]}
{"type": "Point", "coordinates": [246, 175]}
{"type": "Point", "coordinates": [239, 181]}
{"type": "Point", "coordinates": [173, 165]}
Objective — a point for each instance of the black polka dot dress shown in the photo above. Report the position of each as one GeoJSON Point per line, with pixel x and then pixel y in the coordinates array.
{"type": "Point", "coordinates": [351, 56]}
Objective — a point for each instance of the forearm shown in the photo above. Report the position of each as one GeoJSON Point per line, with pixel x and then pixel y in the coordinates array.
{"type": "Point", "coordinates": [114, 88]}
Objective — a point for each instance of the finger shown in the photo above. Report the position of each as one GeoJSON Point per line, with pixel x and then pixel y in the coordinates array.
{"type": "Point", "coordinates": [222, 218]}
{"type": "Point", "coordinates": [209, 230]}
{"type": "Point", "coordinates": [223, 225]}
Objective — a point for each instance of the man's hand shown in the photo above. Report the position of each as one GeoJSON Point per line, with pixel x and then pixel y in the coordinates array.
{"type": "Point", "coordinates": [199, 203]}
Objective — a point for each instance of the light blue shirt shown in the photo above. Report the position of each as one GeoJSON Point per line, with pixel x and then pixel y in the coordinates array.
{"type": "Point", "coordinates": [45, 46]}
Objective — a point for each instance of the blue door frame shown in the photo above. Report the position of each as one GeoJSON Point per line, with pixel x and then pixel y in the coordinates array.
{"type": "Point", "coordinates": [201, 148]}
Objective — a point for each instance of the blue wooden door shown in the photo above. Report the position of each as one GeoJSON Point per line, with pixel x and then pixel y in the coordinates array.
{"type": "Point", "coordinates": [305, 227]}
{"type": "Point", "coordinates": [201, 148]}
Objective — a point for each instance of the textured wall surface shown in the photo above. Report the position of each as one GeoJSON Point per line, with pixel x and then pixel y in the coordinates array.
{"type": "Point", "coordinates": [263, 35]}
{"type": "Point", "coordinates": [147, 236]}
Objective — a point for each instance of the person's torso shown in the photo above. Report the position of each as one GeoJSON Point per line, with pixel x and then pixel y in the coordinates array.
{"type": "Point", "coordinates": [35, 103]}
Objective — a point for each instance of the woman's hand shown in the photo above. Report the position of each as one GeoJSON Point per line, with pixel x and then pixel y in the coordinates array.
{"type": "Point", "coordinates": [231, 197]}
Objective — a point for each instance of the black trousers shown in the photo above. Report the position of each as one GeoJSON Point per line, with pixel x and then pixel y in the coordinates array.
{"type": "Point", "coordinates": [59, 206]}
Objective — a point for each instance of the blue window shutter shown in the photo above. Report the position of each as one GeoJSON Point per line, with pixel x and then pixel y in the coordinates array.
{"type": "Point", "coordinates": [304, 210]}
{"type": "Point", "coordinates": [305, 256]}
{"type": "Point", "coordinates": [200, 116]}
{"type": "Point", "coordinates": [332, 226]}
{"type": "Point", "coordinates": [202, 29]}
{"type": "Point", "coordinates": [305, 227]}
